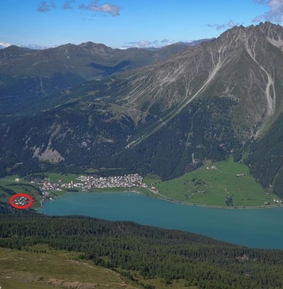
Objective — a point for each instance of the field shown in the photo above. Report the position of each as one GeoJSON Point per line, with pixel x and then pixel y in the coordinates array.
{"type": "Point", "coordinates": [59, 269]}
{"type": "Point", "coordinates": [65, 178]}
{"type": "Point", "coordinates": [223, 183]}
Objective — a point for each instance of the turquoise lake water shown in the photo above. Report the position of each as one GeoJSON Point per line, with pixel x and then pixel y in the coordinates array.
{"type": "Point", "coordinates": [261, 228]}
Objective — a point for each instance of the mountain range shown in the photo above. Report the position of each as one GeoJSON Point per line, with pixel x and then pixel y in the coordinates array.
{"type": "Point", "coordinates": [89, 107]}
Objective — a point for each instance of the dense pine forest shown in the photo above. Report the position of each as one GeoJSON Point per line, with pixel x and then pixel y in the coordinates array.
{"type": "Point", "coordinates": [265, 158]}
{"type": "Point", "coordinates": [151, 252]}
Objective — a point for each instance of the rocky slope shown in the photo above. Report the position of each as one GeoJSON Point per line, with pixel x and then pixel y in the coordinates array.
{"type": "Point", "coordinates": [243, 64]}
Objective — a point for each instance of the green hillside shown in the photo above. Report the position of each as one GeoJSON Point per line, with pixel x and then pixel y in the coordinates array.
{"type": "Point", "coordinates": [266, 158]}
{"type": "Point", "coordinates": [34, 269]}
{"type": "Point", "coordinates": [225, 183]}
{"type": "Point", "coordinates": [42, 268]}
{"type": "Point", "coordinates": [147, 256]}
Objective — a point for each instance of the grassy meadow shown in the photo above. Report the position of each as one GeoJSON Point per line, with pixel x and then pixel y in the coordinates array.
{"type": "Point", "coordinates": [9, 187]}
{"type": "Point", "coordinates": [215, 185]}
{"type": "Point", "coordinates": [61, 269]}
{"type": "Point", "coordinates": [55, 269]}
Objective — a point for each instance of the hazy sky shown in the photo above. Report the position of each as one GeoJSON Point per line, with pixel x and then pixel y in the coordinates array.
{"type": "Point", "coordinates": [122, 23]}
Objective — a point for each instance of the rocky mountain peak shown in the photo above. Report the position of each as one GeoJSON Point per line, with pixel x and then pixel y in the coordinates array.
{"type": "Point", "coordinates": [242, 64]}
{"type": "Point", "coordinates": [264, 30]}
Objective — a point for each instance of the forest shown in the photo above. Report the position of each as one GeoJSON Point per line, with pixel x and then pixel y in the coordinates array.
{"type": "Point", "coordinates": [152, 252]}
{"type": "Point", "coordinates": [89, 137]}
{"type": "Point", "coordinates": [265, 158]}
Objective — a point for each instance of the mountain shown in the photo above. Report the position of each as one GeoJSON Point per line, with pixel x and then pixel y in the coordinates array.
{"type": "Point", "coordinates": [13, 52]}
{"type": "Point", "coordinates": [166, 112]}
{"type": "Point", "coordinates": [237, 66]}
{"type": "Point", "coordinates": [26, 75]}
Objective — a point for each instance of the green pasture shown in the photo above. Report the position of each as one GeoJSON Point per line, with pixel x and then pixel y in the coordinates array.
{"type": "Point", "coordinates": [44, 268]}
{"type": "Point", "coordinates": [7, 189]}
{"type": "Point", "coordinates": [212, 184]}
{"type": "Point", "coordinates": [65, 178]}
{"type": "Point", "coordinates": [55, 269]}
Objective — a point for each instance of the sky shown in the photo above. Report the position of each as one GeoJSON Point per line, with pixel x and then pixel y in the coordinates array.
{"type": "Point", "coordinates": [127, 23]}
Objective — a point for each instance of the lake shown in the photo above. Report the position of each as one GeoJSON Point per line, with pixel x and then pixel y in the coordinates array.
{"type": "Point", "coordinates": [261, 228]}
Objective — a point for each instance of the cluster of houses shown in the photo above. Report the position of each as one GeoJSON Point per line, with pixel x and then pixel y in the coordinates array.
{"type": "Point", "coordinates": [45, 187]}
{"type": "Point", "coordinates": [240, 175]}
{"type": "Point", "coordinates": [125, 181]}
{"type": "Point", "coordinates": [21, 201]}
{"type": "Point", "coordinates": [275, 201]}
{"type": "Point", "coordinates": [86, 183]}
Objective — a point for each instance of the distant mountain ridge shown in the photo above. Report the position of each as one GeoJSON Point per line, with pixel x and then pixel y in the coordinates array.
{"type": "Point", "coordinates": [188, 43]}
{"type": "Point", "coordinates": [165, 112]}
{"type": "Point", "coordinates": [29, 74]}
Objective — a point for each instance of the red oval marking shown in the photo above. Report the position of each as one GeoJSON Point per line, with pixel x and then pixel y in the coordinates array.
{"type": "Point", "coordinates": [21, 207]}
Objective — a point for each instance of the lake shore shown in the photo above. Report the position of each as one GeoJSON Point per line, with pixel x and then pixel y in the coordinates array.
{"type": "Point", "coordinates": [164, 198]}
{"type": "Point", "coordinates": [270, 206]}
{"type": "Point", "coordinates": [255, 228]}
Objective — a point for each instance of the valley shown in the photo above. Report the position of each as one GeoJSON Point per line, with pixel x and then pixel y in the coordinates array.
{"type": "Point", "coordinates": [223, 184]}
{"type": "Point", "coordinates": [165, 112]}
{"type": "Point", "coordinates": [141, 144]}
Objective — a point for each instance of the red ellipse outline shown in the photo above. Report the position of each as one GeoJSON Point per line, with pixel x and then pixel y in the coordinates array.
{"type": "Point", "coordinates": [20, 207]}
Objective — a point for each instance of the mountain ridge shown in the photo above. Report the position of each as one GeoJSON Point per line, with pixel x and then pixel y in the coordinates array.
{"type": "Point", "coordinates": [217, 57]}
{"type": "Point", "coordinates": [26, 75]}
{"type": "Point", "coordinates": [209, 101]}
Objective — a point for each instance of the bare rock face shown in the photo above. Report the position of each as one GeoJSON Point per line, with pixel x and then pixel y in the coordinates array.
{"type": "Point", "coordinates": [244, 64]}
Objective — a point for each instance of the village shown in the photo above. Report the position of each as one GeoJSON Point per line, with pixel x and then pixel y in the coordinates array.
{"type": "Point", "coordinates": [86, 183]}
{"type": "Point", "coordinates": [48, 189]}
